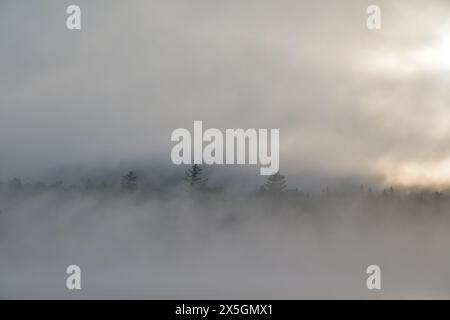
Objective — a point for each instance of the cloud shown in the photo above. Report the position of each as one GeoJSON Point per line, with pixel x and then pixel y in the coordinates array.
{"type": "Point", "coordinates": [115, 90]}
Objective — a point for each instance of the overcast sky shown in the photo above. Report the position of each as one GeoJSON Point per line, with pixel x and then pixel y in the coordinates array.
{"type": "Point", "coordinates": [349, 102]}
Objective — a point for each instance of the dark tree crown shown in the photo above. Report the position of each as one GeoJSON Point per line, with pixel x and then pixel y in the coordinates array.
{"type": "Point", "coordinates": [194, 175]}
{"type": "Point", "coordinates": [129, 181]}
{"type": "Point", "coordinates": [275, 183]}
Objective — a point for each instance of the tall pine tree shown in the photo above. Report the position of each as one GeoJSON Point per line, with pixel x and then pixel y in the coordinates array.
{"type": "Point", "coordinates": [129, 181]}
{"type": "Point", "coordinates": [194, 176]}
{"type": "Point", "coordinates": [276, 183]}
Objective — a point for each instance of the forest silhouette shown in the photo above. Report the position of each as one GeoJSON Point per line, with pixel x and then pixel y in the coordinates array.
{"type": "Point", "coordinates": [195, 184]}
{"type": "Point", "coordinates": [197, 240]}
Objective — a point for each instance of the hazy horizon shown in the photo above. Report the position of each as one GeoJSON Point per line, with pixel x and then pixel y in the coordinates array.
{"type": "Point", "coordinates": [350, 103]}
{"type": "Point", "coordinates": [353, 107]}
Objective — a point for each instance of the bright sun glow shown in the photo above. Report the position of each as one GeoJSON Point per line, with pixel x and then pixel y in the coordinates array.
{"type": "Point", "coordinates": [435, 55]}
{"type": "Point", "coordinates": [436, 173]}
{"type": "Point", "coordinates": [432, 56]}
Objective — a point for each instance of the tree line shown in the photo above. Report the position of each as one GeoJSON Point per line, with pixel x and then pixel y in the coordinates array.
{"type": "Point", "coordinates": [195, 181]}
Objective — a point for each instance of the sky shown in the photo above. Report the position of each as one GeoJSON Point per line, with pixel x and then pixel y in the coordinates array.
{"type": "Point", "coordinates": [351, 104]}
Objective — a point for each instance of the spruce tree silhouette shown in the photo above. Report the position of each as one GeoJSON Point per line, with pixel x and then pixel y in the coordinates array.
{"type": "Point", "coordinates": [194, 176]}
{"type": "Point", "coordinates": [129, 181]}
{"type": "Point", "coordinates": [276, 183]}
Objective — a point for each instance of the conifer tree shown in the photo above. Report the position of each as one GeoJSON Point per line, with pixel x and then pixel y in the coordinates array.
{"type": "Point", "coordinates": [276, 183]}
{"type": "Point", "coordinates": [194, 176]}
{"type": "Point", "coordinates": [129, 181]}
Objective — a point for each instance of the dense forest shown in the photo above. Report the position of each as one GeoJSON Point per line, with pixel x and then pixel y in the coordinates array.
{"type": "Point", "coordinates": [194, 241]}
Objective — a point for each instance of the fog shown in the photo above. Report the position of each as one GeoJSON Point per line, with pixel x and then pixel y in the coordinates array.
{"type": "Point", "coordinates": [114, 91]}
{"type": "Point", "coordinates": [158, 245]}
{"type": "Point", "coordinates": [80, 108]}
